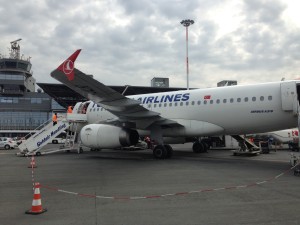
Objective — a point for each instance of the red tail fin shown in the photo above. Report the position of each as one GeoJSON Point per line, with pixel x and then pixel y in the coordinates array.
{"type": "Point", "coordinates": [67, 67]}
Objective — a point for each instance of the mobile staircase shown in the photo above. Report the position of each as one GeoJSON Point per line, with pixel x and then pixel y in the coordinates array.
{"type": "Point", "coordinates": [45, 133]}
{"type": "Point", "coordinates": [246, 147]}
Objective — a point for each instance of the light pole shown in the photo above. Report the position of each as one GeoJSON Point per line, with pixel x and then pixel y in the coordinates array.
{"type": "Point", "coordinates": [186, 24]}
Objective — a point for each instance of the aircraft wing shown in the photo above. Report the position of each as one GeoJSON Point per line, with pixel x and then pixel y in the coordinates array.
{"type": "Point", "coordinates": [125, 108]}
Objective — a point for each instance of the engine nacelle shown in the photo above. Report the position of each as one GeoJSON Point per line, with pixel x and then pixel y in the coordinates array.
{"type": "Point", "coordinates": [107, 136]}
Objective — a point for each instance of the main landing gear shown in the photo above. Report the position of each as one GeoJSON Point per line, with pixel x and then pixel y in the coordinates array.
{"type": "Point", "coordinates": [199, 147]}
{"type": "Point", "coordinates": [162, 152]}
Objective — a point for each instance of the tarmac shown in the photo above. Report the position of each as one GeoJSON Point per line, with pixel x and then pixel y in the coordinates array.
{"type": "Point", "coordinates": [115, 187]}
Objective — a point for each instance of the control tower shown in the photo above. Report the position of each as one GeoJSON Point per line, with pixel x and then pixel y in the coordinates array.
{"type": "Point", "coordinates": [22, 109]}
{"type": "Point", "coordinates": [15, 72]}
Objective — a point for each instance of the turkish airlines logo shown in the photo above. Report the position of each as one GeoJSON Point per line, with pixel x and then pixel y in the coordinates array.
{"type": "Point", "coordinates": [207, 97]}
{"type": "Point", "coordinates": [68, 68]}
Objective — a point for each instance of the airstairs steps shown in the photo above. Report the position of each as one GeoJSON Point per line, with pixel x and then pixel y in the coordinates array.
{"type": "Point", "coordinates": [246, 147]}
{"type": "Point", "coordinates": [45, 133]}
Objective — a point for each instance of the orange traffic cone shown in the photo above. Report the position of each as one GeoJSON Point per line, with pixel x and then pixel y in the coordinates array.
{"type": "Point", "coordinates": [32, 163]}
{"type": "Point", "coordinates": [36, 202]}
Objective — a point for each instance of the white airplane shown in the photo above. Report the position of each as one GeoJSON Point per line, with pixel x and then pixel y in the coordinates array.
{"type": "Point", "coordinates": [282, 136]}
{"type": "Point", "coordinates": [115, 120]}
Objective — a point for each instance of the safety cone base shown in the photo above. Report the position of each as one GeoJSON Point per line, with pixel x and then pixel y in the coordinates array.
{"type": "Point", "coordinates": [32, 166]}
{"type": "Point", "coordinates": [35, 213]}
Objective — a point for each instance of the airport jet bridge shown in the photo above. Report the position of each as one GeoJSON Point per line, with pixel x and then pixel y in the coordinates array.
{"type": "Point", "coordinates": [45, 133]}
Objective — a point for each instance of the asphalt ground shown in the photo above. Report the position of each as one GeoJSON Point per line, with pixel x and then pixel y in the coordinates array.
{"type": "Point", "coordinates": [114, 187]}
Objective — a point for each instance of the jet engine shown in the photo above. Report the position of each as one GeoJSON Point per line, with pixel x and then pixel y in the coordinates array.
{"type": "Point", "coordinates": [107, 136]}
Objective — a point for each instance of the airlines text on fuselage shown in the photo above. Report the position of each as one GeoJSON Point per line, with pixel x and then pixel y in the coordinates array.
{"type": "Point", "coordinates": [165, 98]}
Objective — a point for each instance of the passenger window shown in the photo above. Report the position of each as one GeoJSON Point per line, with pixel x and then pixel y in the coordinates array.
{"type": "Point", "coordinates": [224, 100]}
{"type": "Point", "coordinates": [199, 102]}
{"type": "Point", "coordinates": [211, 101]}
{"type": "Point", "coordinates": [175, 104]}
{"type": "Point", "coordinates": [187, 103]}
{"type": "Point", "coordinates": [205, 102]}
{"type": "Point", "coordinates": [193, 103]}
{"type": "Point", "coordinates": [246, 99]}
{"type": "Point", "coordinates": [159, 105]}
{"type": "Point", "coordinates": [269, 97]}
{"type": "Point", "coordinates": [97, 109]}
{"type": "Point", "coordinates": [170, 104]}
{"type": "Point", "coordinates": [154, 105]}
{"type": "Point", "coordinates": [181, 103]}
{"type": "Point", "coordinates": [261, 98]}
{"type": "Point", "coordinates": [238, 100]}
{"type": "Point", "coordinates": [218, 101]}
{"type": "Point", "coordinates": [253, 99]}
{"type": "Point", "coordinates": [231, 100]}
{"type": "Point", "coordinates": [165, 105]}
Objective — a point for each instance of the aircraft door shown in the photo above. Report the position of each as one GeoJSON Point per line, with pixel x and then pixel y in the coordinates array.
{"type": "Point", "coordinates": [289, 99]}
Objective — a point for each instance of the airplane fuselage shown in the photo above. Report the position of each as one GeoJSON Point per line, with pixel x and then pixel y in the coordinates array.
{"type": "Point", "coordinates": [222, 110]}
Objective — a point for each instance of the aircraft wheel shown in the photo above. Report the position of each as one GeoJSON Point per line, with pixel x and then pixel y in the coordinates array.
{"type": "Point", "coordinates": [169, 151]}
{"type": "Point", "coordinates": [160, 152]}
{"type": "Point", "coordinates": [38, 154]}
{"type": "Point", "coordinates": [80, 150]}
{"type": "Point", "coordinates": [198, 147]}
{"type": "Point", "coordinates": [205, 146]}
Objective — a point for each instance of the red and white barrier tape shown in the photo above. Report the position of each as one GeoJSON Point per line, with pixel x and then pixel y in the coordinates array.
{"type": "Point", "coordinates": [167, 195]}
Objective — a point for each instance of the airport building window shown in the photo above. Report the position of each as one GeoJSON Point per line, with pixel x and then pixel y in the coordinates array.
{"type": "Point", "coordinates": [22, 120]}
{"type": "Point", "coordinates": [253, 99]}
{"type": "Point", "coordinates": [238, 100]}
{"type": "Point", "coordinates": [36, 100]}
{"type": "Point", "coordinates": [269, 97]}
{"type": "Point", "coordinates": [246, 99]}
{"type": "Point", "coordinates": [261, 98]}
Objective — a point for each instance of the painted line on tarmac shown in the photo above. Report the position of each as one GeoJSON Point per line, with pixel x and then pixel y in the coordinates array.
{"type": "Point", "coordinates": [7, 153]}
{"type": "Point", "coordinates": [232, 187]}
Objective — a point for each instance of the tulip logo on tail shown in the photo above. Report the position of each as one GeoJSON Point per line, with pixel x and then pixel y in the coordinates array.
{"type": "Point", "coordinates": [67, 67]}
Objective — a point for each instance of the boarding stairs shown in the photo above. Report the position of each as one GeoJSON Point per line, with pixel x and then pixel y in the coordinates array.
{"type": "Point", "coordinates": [45, 133]}
{"type": "Point", "coordinates": [246, 147]}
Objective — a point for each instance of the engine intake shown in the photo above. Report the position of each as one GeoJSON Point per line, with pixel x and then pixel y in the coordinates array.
{"type": "Point", "coordinates": [107, 136]}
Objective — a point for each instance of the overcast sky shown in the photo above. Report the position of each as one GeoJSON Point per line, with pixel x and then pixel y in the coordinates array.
{"type": "Point", "coordinates": [132, 41]}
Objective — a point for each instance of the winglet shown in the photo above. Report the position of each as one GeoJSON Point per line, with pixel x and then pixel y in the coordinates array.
{"type": "Point", "coordinates": [67, 67]}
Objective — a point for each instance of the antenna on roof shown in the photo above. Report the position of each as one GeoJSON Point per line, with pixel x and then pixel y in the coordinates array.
{"type": "Point", "coordinates": [15, 49]}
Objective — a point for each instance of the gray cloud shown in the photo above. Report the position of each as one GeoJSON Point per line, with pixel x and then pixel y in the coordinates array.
{"type": "Point", "coordinates": [130, 42]}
